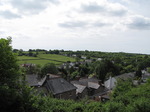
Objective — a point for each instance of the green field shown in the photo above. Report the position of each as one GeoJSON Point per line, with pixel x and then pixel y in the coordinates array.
{"type": "Point", "coordinates": [42, 59]}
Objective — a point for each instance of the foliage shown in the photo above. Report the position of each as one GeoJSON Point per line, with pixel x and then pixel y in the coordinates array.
{"type": "Point", "coordinates": [121, 87]}
{"type": "Point", "coordinates": [74, 74]}
{"type": "Point", "coordinates": [148, 69]}
{"type": "Point", "coordinates": [8, 66]}
{"type": "Point", "coordinates": [132, 99]}
{"type": "Point", "coordinates": [31, 69]}
{"type": "Point", "coordinates": [48, 68]}
{"type": "Point", "coordinates": [105, 67]}
{"type": "Point", "coordinates": [14, 95]}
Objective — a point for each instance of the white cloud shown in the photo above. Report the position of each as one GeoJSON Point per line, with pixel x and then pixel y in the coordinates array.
{"type": "Point", "coordinates": [105, 8]}
{"type": "Point", "coordinates": [106, 25]}
{"type": "Point", "coordinates": [30, 6]}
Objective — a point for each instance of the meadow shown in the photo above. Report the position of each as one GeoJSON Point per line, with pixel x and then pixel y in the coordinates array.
{"type": "Point", "coordinates": [42, 59]}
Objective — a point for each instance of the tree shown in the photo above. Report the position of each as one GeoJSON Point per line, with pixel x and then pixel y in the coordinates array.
{"type": "Point", "coordinates": [138, 72]}
{"type": "Point", "coordinates": [14, 95]}
{"type": "Point", "coordinates": [30, 52]}
{"type": "Point", "coordinates": [148, 69]}
{"type": "Point", "coordinates": [48, 68]}
{"type": "Point", "coordinates": [122, 87]}
{"type": "Point", "coordinates": [20, 52]}
{"type": "Point", "coordinates": [100, 71]}
{"type": "Point", "coordinates": [9, 69]}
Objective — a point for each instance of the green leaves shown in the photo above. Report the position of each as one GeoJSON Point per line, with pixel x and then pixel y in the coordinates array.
{"type": "Point", "coordinates": [133, 99]}
{"type": "Point", "coordinates": [48, 68]}
{"type": "Point", "coordinates": [8, 66]}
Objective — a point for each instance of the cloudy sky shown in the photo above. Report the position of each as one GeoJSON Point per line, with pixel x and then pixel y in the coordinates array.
{"type": "Point", "coordinates": [97, 25]}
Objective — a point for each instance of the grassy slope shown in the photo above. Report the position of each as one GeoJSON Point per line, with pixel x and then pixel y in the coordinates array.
{"type": "Point", "coordinates": [45, 58]}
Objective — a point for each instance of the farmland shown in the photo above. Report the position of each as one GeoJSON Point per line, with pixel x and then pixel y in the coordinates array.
{"type": "Point", "coordinates": [42, 59]}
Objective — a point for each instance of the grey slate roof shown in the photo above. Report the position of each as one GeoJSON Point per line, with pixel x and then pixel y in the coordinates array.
{"type": "Point", "coordinates": [80, 88]}
{"type": "Point", "coordinates": [59, 85]}
{"type": "Point", "coordinates": [88, 82]}
{"type": "Point", "coordinates": [34, 80]}
{"type": "Point", "coordinates": [110, 83]}
{"type": "Point", "coordinates": [125, 76]}
{"type": "Point", "coordinates": [85, 80]}
{"type": "Point", "coordinates": [146, 75]}
{"type": "Point", "coordinates": [93, 85]}
{"type": "Point", "coordinates": [51, 76]}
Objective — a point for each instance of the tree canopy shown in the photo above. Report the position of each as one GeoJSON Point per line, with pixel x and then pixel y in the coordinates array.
{"type": "Point", "coordinates": [14, 95]}
{"type": "Point", "coordinates": [9, 69]}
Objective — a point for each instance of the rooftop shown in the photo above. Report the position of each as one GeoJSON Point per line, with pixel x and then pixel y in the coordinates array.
{"type": "Point", "coordinates": [59, 85]}
{"type": "Point", "coordinates": [34, 80]}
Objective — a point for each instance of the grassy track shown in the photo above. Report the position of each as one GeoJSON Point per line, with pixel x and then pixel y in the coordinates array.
{"type": "Point", "coordinates": [45, 58]}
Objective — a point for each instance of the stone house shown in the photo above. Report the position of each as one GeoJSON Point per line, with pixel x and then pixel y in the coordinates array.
{"type": "Point", "coordinates": [111, 82]}
{"type": "Point", "coordinates": [145, 76]}
{"type": "Point", "coordinates": [37, 83]}
{"type": "Point", "coordinates": [93, 86]}
{"type": "Point", "coordinates": [53, 85]}
{"type": "Point", "coordinates": [81, 91]}
{"type": "Point", "coordinates": [60, 88]}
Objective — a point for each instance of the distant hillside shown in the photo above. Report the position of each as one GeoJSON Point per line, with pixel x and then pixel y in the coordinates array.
{"type": "Point", "coordinates": [45, 58]}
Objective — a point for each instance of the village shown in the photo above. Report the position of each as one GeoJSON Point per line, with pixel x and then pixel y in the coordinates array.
{"type": "Point", "coordinates": [103, 82]}
{"type": "Point", "coordinates": [82, 87]}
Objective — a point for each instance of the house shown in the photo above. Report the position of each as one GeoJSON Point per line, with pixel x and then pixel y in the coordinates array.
{"type": "Point", "coordinates": [52, 76]}
{"type": "Point", "coordinates": [28, 65]}
{"type": "Point", "coordinates": [111, 82]}
{"type": "Point", "coordinates": [88, 60]}
{"type": "Point", "coordinates": [81, 91]}
{"type": "Point", "coordinates": [126, 76]}
{"type": "Point", "coordinates": [36, 82]}
{"type": "Point", "coordinates": [52, 84]}
{"type": "Point", "coordinates": [145, 76]}
{"type": "Point", "coordinates": [99, 59]}
{"type": "Point", "coordinates": [83, 57]}
{"type": "Point", "coordinates": [105, 98]}
{"type": "Point", "coordinates": [93, 85]}
{"type": "Point", "coordinates": [60, 88]}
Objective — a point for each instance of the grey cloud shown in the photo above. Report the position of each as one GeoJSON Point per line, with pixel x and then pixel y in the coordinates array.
{"type": "Point", "coordinates": [9, 15]}
{"type": "Point", "coordinates": [102, 9]}
{"type": "Point", "coordinates": [140, 23]}
{"type": "Point", "coordinates": [80, 24]}
{"type": "Point", "coordinates": [92, 8]}
{"type": "Point", "coordinates": [73, 24]}
{"type": "Point", "coordinates": [101, 24]}
{"type": "Point", "coordinates": [31, 6]}
{"type": "Point", "coordinates": [120, 12]}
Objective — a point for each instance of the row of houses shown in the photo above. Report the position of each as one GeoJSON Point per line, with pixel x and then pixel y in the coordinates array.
{"type": "Point", "coordinates": [74, 64]}
{"type": "Point", "coordinates": [59, 88]}
{"type": "Point", "coordinates": [52, 85]}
